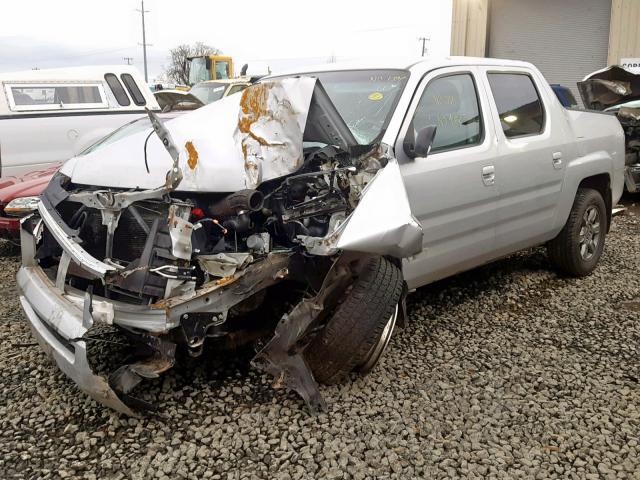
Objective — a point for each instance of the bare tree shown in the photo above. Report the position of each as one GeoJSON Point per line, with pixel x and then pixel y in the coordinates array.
{"type": "Point", "coordinates": [177, 71]}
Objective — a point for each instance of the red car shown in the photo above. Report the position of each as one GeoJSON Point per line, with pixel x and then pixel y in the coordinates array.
{"type": "Point", "coordinates": [19, 197]}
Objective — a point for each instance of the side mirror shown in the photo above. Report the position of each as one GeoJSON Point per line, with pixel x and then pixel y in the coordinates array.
{"type": "Point", "coordinates": [421, 146]}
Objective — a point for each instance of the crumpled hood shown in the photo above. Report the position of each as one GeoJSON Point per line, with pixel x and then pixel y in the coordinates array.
{"type": "Point", "coordinates": [237, 142]}
{"type": "Point", "coordinates": [609, 87]}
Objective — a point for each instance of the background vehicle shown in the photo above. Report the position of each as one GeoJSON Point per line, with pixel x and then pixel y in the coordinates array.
{"type": "Point", "coordinates": [565, 95]}
{"type": "Point", "coordinates": [616, 90]}
{"type": "Point", "coordinates": [69, 109]}
{"type": "Point", "coordinates": [312, 190]}
{"type": "Point", "coordinates": [171, 100]}
{"type": "Point", "coordinates": [19, 195]}
{"type": "Point", "coordinates": [200, 94]}
{"type": "Point", "coordinates": [211, 91]}
{"type": "Point", "coordinates": [209, 67]}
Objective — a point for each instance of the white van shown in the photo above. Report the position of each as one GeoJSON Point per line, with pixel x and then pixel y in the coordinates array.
{"type": "Point", "coordinates": [48, 116]}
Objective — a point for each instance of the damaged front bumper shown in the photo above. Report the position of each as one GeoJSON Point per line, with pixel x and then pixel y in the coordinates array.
{"type": "Point", "coordinates": [59, 319]}
{"type": "Point", "coordinates": [61, 316]}
{"type": "Point", "coordinates": [57, 324]}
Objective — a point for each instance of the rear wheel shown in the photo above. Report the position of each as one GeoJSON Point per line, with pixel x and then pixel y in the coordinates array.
{"type": "Point", "coordinates": [358, 333]}
{"type": "Point", "coordinates": [578, 247]}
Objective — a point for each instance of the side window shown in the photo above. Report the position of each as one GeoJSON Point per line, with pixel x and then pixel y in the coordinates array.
{"type": "Point", "coordinates": [24, 97]}
{"type": "Point", "coordinates": [450, 103]}
{"type": "Point", "coordinates": [118, 91]}
{"type": "Point", "coordinates": [132, 88]}
{"type": "Point", "coordinates": [519, 105]}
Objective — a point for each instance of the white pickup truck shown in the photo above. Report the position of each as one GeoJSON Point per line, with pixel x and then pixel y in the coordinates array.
{"type": "Point", "coordinates": [325, 195]}
{"type": "Point", "coordinates": [48, 116]}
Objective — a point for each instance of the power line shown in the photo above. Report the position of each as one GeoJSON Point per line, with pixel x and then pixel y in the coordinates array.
{"type": "Point", "coordinates": [424, 41]}
{"type": "Point", "coordinates": [87, 54]}
{"type": "Point", "coordinates": [144, 40]}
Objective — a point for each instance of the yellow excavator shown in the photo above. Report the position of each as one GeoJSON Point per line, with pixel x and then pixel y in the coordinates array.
{"type": "Point", "coordinates": [209, 67]}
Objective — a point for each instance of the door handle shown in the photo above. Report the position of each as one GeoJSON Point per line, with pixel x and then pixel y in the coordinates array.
{"type": "Point", "coordinates": [556, 159]}
{"type": "Point", "coordinates": [488, 175]}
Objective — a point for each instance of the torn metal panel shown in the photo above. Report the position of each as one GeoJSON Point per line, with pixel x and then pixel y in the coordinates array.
{"type": "Point", "coordinates": [382, 223]}
{"type": "Point", "coordinates": [283, 356]}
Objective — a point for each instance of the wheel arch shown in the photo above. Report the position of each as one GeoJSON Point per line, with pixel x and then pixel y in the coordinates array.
{"type": "Point", "coordinates": [602, 183]}
{"type": "Point", "coordinates": [590, 172]}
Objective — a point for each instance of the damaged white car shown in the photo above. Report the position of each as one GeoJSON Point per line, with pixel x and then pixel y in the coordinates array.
{"type": "Point", "coordinates": [308, 193]}
{"type": "Point", "coordinates": [616, 90]}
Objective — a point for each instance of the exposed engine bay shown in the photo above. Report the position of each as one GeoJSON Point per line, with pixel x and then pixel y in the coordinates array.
{"type": "Point", "coordinates": [175, 267]}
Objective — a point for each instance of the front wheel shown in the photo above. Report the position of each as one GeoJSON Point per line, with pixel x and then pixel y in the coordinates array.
{"type": "Point", "coordinates": [357, 334]}
{"type": "Point", "coordinates": [578, 247]}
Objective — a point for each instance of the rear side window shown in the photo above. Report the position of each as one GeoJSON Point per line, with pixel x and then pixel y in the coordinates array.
{"type": "Point", "coordinates": [451, 104]}
{"type": "Point", "coordinates": [118, 91]}
{"type": "Point", "coordinates": [24, 97]}
{"type": "Point", "coordinates": [519, 105]}
{"type": "Point", "coordinates": [133, 89]}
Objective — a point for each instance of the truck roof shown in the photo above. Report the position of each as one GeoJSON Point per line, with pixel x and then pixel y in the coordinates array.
{"type": "Point", "coordinates": [405, 63]}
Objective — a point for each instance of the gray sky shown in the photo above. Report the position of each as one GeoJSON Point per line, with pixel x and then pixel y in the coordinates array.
{"type": "Point", "coordinates": [284, 33]}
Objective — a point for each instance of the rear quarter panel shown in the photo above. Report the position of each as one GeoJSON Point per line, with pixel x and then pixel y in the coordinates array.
{"type": "Point", "coordinates": [599, 141]}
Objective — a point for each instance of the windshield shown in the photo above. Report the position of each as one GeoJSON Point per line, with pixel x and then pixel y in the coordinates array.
{"type": "Point", "coordinates": [208, 92]}
{"type": "Point", "coordinates": [365, 99]}
{"type": "Point", "coordinates": [139, 125]}
{"type": "Point", "coordinates": [222, 69]}
{"type": "Point", "coordinates": [198, 70]}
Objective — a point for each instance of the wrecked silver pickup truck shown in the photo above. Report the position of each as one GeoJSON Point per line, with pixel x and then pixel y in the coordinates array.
{"type": "Point", "coordinates": [290, 217]}
{"type": "Point", "coordinates": [194, 220]}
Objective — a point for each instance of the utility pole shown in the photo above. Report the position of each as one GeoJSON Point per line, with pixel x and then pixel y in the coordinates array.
{"type": "Point", "coordinates": [128, 60]}
{"type": "Point", "coordinates": [144, 41]}
{"type": "Point", "coordinates": [424, 41]}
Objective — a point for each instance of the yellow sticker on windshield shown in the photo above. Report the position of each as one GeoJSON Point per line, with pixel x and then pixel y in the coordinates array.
{"type": "Point", "coordinates": [375, 96]}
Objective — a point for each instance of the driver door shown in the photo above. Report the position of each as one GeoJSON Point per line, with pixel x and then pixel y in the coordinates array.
{"type": "Point", "coordinates": [452, 192]}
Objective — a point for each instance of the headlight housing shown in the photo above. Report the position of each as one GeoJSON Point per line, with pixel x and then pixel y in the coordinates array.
{"type": "Point", "coordinates": [21, 206]}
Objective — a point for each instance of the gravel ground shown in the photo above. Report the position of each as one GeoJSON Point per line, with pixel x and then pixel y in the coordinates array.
{"type": "Point", "coordinates": [507, 371]}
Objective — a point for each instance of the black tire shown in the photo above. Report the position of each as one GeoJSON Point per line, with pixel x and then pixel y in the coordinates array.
{"type": "Point", "coordinates": [566, 250]}
{"type": "Point", "coordinates": [358, 323]}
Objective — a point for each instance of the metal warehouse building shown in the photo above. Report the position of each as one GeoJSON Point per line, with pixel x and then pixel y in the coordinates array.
{"type": "Point", "coordinates": [566, 39]}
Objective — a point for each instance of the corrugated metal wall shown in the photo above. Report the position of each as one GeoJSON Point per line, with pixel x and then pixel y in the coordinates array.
{"type": "Point", "coordinates": [565, 39]}
{"type": "Point", "coordinates": [624, 38]}
{"type": "Point", "coordinates": [469, 27]}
